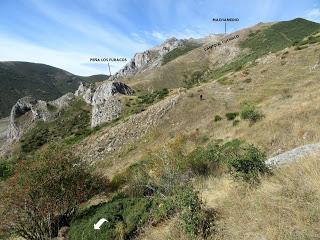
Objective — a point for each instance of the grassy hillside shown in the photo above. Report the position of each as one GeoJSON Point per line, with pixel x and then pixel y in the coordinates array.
{"type": "Point", "coordinates": [284, 206]}
{"type": "Point", "coordinates": [270, 40]}
{"type": "Point", "coordinates": [19, 79]}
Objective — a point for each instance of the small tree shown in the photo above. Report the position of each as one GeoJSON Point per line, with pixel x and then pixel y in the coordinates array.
{"type": "Point", "coordinates": [250, 113]}
{"type": "Point", "coordinates": [45, 191]}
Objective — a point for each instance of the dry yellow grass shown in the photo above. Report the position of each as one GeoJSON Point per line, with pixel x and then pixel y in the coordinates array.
{"type": "Point", "coordinates": [284, 206]}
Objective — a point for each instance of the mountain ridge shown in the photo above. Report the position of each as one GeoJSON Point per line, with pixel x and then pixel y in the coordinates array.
{"type": "Point", "coordinates": [42, 81]}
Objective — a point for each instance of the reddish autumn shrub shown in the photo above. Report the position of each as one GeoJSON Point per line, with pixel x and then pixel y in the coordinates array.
{"type": "Point", "coordinates": [45, 191]}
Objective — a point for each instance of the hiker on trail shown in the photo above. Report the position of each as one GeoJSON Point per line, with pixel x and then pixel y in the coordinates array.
{"type": "Point", "coordinates": [201, 97]}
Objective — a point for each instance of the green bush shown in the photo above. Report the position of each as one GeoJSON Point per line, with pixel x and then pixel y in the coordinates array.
{"type": "Point", "coordinates": [217, 118]}
{"type": "Point", "coordinates": [248, 80]}
{"type": "Point", "coordinates": [204, 161]}
{"type": "Point", "coordinates": [245, 161]}
{"type": "Point", "coordinates": [250, 113]}
{"type": "Point", "coordinates": [195, 219]}
{"type": "Point", "coordinates": [235, 122]}
{"type": "Point", "coordinates": [300, 47]}
{"type": "Point", "coordinates": [149, 98]}
{"type": "Point", "coordinates": [125, 217]}
{"type": "Point", "coordinates": [231, 115]}
{"type": "Point", "coordinates": [6, 170]}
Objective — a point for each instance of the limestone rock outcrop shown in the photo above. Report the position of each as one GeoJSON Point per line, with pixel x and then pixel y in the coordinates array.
{"type": "Point", "coordinates": [97, 147]}
{"type": "Point", "coordinates": [86, 92]}
{"type": "Point", "coordinates": [106, 105]}
{"type": "Point", "coordinates": [28, 110]}
{"type": "Point", "coordinates": [149, 59]}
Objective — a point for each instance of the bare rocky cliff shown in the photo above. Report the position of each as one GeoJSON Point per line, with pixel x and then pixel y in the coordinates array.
{"type": "Point", "coordinates": [104, 100]}
{"type": "Point", "coordinates": [149, 59]}
{"type": "Point", "coordinates": [28, 110]}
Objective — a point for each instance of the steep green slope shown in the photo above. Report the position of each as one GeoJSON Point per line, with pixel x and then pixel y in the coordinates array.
{"type": "Point", "coordinates": [279, 36]}
{"type": "Point", "coordinates": [19, 79]}
{"type": "Point", "coordinates": [272, 39]}
{"type": "Point", "coordinates": [179, 51]}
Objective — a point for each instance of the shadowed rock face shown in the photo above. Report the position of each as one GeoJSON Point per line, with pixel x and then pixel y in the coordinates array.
{"type": "Point", "coordinates": [105, 104]}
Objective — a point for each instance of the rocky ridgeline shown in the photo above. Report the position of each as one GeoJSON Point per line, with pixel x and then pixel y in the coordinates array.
{"type": "Point", "coordinates": [149, 59]}
{"type": "Point", "coordinates": [28, 110]}
{"type": "Point", "coordinates": [104, 100]}
{"type": "Point", "coordinates": [105, 107]}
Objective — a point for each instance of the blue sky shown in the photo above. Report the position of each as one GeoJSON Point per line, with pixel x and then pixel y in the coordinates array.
{"type": "Point", "coordinates": [67, 33]}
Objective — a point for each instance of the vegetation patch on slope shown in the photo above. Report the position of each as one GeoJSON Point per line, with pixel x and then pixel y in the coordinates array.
{"type": "Point", "coordinates": [284, 206]}
{"type": "Point", "coordinates": [44, 192]}
{"type": "Point", "coordinates": [273, 39]}
{"type": "Point", "coordinates": [160, 186]}
{"type": "Point", "coordinates": [179, 51]}
{"type": "Point", "coordinates": [72, 124]}
{"type": "Point", "coordinates": [139, 103]}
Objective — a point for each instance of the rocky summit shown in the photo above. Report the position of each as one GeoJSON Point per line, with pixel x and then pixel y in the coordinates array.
{"type": "Point", "coordinates": [149, 59]}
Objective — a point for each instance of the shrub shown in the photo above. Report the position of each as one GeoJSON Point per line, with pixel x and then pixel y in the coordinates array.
{"type": "Point", "coordinates": [45, 191]}
{"type": "Point", "coordinates": [248, 80]}
{"type": "Point", "coordinates": [238, 68]}
{"type": "Point", "coordinates": [231, 115]}
{"type": "Point", "coordinates": [235, 122]}
{"type": "Point", "coordinates": [149, 98]}
{"type": "Point", "coordinates": [203, 139]}
{"type": "Point", "coordinates": [125, 215]}
{"type": "Point", "coordinates": [193, 79]}
{"type": "Point", "coordinates": [245, 161]}
{"type": "Point", "coordinates": [297, 48]}
{"type": "Point", "coordinates": [204, 161]}
{"type": "Point", "coordinates": [250, 113]}
{"type": "Point", "coordinates": [217, 118]}
{"type": "Point", "coordinates": [6, 170]}
{"type": "Point", "coordinates": [195, 220]}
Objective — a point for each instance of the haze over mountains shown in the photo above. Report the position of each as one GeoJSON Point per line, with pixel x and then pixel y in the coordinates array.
{"type": "Point", "coordinates": [19, 79]}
